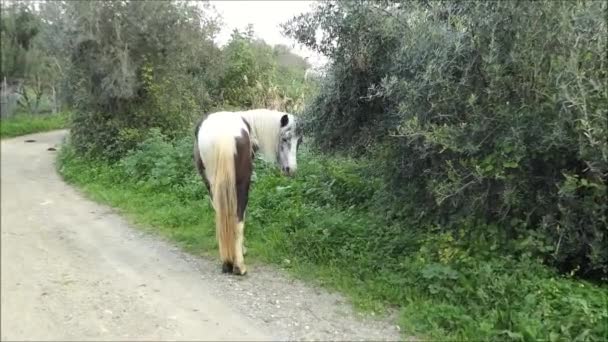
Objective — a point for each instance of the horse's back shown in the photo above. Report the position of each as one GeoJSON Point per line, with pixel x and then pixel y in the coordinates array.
{"type": "Point", "coordinates": [219, 131]}
{"type": "Point", "coordinates": [221, 124]}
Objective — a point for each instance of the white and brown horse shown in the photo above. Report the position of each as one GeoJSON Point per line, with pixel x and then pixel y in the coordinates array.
{"type": "Point", "coordinates": [225, 143]}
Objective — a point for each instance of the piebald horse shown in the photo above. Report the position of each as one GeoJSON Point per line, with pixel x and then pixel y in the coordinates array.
{"type": "Point", "coordinates": [224, 148]}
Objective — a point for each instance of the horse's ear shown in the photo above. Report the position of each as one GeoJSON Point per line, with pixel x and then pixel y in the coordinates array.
{"type": "Point", "coordinates": [284, 120]}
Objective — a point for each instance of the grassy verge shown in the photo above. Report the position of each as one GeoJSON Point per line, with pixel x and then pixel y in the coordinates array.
{"type": "Point", "coordinates": [321, 226]}
{"type": "Point", "coordinates": [26, 123]}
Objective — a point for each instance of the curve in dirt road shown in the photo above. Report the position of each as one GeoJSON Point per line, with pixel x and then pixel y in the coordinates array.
{"type": "Point", "coordinates": [71, 269]}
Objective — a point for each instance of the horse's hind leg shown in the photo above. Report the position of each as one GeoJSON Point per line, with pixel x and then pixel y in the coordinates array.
{"type": "Point", "coordinates": [239, 248]}
{"type": "Point", "coordinates": [239, 263]}
{"type": "Point", "coordinates": [227, 265]}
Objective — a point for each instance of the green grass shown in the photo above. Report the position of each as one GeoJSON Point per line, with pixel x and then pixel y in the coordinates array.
{"type": "Point", "coordinates": [22, 124]}
{"type": "Point", "coordinates": [321, 226]}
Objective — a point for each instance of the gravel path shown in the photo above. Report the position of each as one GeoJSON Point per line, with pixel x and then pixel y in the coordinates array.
{"type": "Point", "coordinates": [72, 269]}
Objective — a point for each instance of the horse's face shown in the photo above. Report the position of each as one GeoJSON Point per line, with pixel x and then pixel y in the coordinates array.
{"type": "Point", "coordinates": [289, 142]}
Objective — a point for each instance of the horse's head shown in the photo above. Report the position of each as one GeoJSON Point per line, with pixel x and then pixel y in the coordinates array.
{"type": "Point", "coordinates": [289, 141]}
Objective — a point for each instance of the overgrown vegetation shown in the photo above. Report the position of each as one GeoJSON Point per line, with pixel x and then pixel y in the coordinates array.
{"type": "Point", "coordinates": [457, 285]}
{"type": "Point", "coordinates": [478, 113]}
{"type": "Point", "coordinates": [457, 167]}
{"type": "Point", "coordinates": [256, 75]}
{"type": "Point", "coordinates": [26, 123]}
{"type": "Point", "coordinates": [27, 67]}
{"type": "Point", "coordinates": [126, 67]}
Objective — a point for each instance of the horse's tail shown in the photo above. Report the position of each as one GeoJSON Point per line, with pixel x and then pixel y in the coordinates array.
{"type": "Point", "coordinates": [224, 198]}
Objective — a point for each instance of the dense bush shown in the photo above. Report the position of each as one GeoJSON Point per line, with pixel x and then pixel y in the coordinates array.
{"type": "Point", "coordinates": [491, 111]}
{"type": "Point", "coordinates": [164, 165]}
{"type": "Point", "coordinates": [134, 66]}
{"type": "Point", "coordinates": [18, 29]}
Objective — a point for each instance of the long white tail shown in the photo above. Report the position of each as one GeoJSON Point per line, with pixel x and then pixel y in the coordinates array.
{"type": "Point", "coordinates": [224, 198]}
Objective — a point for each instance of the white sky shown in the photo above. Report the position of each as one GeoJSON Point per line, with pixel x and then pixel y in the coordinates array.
{"type": "Point", "coordinates": [266, 16]}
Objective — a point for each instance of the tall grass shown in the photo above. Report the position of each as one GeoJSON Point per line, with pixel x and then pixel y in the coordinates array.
{"type": "Point", "coordinates": [21, 124]}
{"type": "Point", "coordinates": [324, 225]}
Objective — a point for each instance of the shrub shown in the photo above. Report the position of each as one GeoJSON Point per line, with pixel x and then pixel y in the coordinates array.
{"type": "Point", "coordinates": [162, 164]}
{"type": "Point", "coordinates": [494, 111]}
{"type": "Point", "coordinates": [146, 65]}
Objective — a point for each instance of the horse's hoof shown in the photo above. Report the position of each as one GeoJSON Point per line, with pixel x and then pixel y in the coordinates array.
{"type": "Point", "coordinates": [227, 267]}
{"type": "Point", "coordinates": [239, 270]}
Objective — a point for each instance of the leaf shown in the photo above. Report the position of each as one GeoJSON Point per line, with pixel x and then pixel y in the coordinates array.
{"type": "Point", "coordinates": [433, 289]}
{"type": "Point", "coordinates": [513, 335]}
{"type": "Point", "coordinates": [553, 336]}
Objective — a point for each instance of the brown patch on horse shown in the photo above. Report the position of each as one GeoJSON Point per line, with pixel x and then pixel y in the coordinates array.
{"type": "Point", "coordinates": [30, 140]}
{"type": "Point", "coordinates": [247, 124]}
{"type": "Point", "coordinates": [198, 162]}
{"type": "Point", "coordinates": [197, 127]}
{"type": "Point", "coordinates": [200, 167]}
{"type": "Point", "coordinates": [243, 165]}
{"type": "Point", "coordinates": [254, 147]}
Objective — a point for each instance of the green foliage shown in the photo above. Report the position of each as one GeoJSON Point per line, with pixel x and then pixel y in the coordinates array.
{"type": "Point", "coordinates": [248, 70]}
{"type": "Point", "coordinates": [26, 123]}
{"type": "Point", "coordinates": [162, 165]}
{"type": "Point", "coordinates": [486, 110]}
{"type": "Point", "coordinates": [321, 224]}
{"type": "Point", "coordinates": [135, 66]}
{"type": "Point", "coordinates": [256, 75]}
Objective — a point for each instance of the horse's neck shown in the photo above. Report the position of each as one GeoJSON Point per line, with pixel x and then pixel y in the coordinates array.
{"type": "Point", "coordinates": [265, 131]}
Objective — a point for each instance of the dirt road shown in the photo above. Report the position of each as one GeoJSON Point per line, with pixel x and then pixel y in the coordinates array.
{"type": "Point", "coordinates": [75, 270]}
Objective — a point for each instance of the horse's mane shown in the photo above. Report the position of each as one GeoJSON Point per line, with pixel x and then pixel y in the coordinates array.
{"type": "Point", "coordinates": [265, 130]}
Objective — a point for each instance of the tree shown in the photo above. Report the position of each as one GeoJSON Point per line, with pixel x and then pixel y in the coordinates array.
{"type": "Point", "coordinates": [248, 71]}
{"type": "Point", "coordinates": [19, 27]}
{"type": "Point", "coordinates": [134, 66]}
{"type": "Point", "coordinates": [21, 58]}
